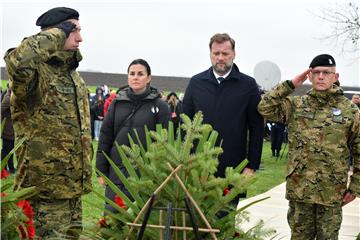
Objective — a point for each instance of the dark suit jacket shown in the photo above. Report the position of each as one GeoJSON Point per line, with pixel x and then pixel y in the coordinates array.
{"type": "Point", "coordinates": [231, 108]}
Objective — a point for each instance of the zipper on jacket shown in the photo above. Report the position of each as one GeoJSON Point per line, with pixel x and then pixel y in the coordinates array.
{"type": "Point", "coordinates": [81, 129]}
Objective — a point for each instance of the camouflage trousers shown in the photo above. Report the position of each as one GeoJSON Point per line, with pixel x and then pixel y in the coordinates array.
{"type": "Point", "coordinates": [313, 221]}
{"type": "Point", "coordinates": [57, 218]}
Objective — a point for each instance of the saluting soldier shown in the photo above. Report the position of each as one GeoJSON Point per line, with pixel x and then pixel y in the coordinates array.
{"type": "Point", "coordinates": [50, 109]}
{"type": "Point", "coordinates": [322, 125]}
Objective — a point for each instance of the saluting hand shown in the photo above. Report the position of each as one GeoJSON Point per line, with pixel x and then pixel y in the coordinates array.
{"type": "Point", "coordinates": [298, 80]}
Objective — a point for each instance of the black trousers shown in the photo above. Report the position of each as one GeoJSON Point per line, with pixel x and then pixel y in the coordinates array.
{"type": "Point", "coordinates": [277, 138]}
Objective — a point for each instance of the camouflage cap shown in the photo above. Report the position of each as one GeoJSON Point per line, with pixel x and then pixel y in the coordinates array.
{"type": "Point", "coordinates": [323, 60]}
{"type": "Point", "coordinates": [55, 16]}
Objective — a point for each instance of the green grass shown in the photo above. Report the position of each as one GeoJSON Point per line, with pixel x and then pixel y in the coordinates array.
{"type": "Point", "coordinates": [3, 84]}
{"type": "Point", "coordinates": [91, 214]}
{"type": "Point", "coordinates": [272, 173]}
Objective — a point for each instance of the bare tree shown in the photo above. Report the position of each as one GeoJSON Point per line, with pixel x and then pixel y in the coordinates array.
{"type": "Point", "coordinates": [344, 24]}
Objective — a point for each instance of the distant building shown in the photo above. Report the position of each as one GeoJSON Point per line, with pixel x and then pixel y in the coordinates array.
{"type": "Point", "coordinates": [166, 83]}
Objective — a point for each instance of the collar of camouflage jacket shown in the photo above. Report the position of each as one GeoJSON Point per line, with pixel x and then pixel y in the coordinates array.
{"type": "Point", "coordinates": [327, 96]}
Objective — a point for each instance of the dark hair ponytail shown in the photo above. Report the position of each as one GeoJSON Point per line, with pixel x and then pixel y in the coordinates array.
{"type": "Point", "coordinates": [141, 62]}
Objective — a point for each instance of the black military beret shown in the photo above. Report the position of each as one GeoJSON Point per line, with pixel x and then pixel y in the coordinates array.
{"type": "Point", "coordinates": [55, 16]}
{"type": "Point", "coordinates": [323, 60]}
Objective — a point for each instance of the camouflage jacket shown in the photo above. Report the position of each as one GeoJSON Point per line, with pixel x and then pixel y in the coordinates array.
{"type": "Point", "coordinates": [50, 109]}
{"type": "Point", "coordinates": [322, 126]}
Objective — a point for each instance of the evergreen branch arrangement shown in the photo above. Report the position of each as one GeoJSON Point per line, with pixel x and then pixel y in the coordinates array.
{"type": "Point", "coordinates": [188, 156]}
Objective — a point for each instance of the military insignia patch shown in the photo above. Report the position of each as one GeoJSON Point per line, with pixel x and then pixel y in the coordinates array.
{"type": "Point", "coordinates": [336, 112]}
{"type": "Point", "coordinates": [337, 117]}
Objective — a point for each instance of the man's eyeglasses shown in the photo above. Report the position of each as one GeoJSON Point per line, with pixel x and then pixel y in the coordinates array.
{"type": "Point", "coordinates": [325, 73]}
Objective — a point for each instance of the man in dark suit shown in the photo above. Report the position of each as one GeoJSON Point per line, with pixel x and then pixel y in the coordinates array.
{"type": "Point", "coordinates": [277, 134]}
{"type": "Point", "coordinates": [228, 100]}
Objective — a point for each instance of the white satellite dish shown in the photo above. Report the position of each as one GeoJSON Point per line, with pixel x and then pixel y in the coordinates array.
{"type": "Point", "coordinates": [267, 74]}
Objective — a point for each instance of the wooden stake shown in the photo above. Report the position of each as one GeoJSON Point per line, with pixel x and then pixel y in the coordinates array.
{"type": "Point", "coordinates": [184, 224]}
{"type": "Point", "coordinates": [155, 192]}
{"type": "Point", "coordinates": [194, 203]}
{"type": "Point", "coordinates": [178, 228]}
{"type": "Point", "coordinates": [161, 222]}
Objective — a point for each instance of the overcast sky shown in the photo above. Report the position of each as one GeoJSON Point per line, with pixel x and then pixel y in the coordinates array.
{"type": "Point", "coordinates": [173, 35]}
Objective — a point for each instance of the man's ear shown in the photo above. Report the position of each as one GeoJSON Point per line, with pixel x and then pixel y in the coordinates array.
{"type": "Point", "coordinates": [336, 78]}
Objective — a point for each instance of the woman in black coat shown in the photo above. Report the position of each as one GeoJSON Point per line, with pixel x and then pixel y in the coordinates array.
{"type": "Point", "coordinates": [135, 106]}
{"type": "Point", "coordinates": [176, 109]}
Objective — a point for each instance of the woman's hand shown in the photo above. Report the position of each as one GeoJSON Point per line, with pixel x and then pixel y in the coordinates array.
{"type": "Point", "coordinates": [348, 197]}
{"type": "Point", "coordinates": [101, 181]}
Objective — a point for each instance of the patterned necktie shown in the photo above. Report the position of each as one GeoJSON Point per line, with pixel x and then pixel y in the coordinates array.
{"type": "Point", "coordinates": [220, 79]}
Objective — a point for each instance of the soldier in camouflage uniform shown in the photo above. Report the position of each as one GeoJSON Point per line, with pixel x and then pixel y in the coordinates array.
{"type": "Point", "coordinates": [322, 125]}
{"type": "Point", "coordinates": [50, 109]}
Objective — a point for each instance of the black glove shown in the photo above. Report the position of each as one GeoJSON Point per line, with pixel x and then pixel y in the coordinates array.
{"type": "Point", "coordinates": [67, 27]}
